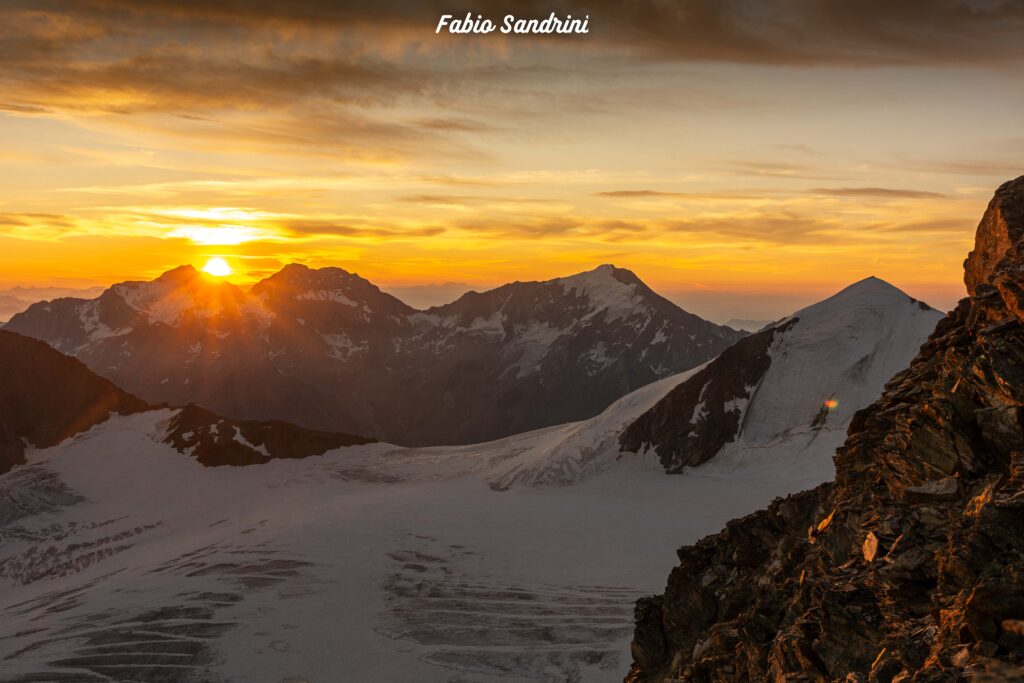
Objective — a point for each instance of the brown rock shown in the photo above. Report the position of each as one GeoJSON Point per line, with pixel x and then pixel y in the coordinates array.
{"type": "Point", "coordinates": [1000, 233]}
{"type": "Point", "coordinates": [945, 489]}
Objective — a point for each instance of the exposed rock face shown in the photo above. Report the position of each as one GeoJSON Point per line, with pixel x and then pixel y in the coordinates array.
{"type": "Point", "coordinates": [910, 566]}
{"type": "Point", "coordinates": [692, 423]}
{"type": "Point", "coordinates": [328, 350]}
{"type": "Point", "coordinates": [45, 397]}
{"type": "Point", "coordinates": [996, 256]}
{"type": "Point", "coordinates": [214, 440]}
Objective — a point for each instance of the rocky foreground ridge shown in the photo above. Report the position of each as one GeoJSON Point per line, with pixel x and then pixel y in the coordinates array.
{"type": "Point", "coordinates": [910, 565]}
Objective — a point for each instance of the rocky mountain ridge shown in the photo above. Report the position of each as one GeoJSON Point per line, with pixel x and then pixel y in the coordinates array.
{"type": "Point", "coordinates": [328, 350]}
{"type": "Point", "coordinates": [910, 566]}
{"type": "Point", "coordinates": [45, 397]}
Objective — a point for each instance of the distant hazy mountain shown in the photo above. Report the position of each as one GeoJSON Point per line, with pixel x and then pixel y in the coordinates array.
{"type": "Point", "coordinates": [791, 386]}
{"type": "Point", "coordinates": [328, 350]}
{"type": "Point", "coordinates": [16, 299]}
{"type": "Point", "coordinates": [747, 325]}
{"type": "Point", "coordinates": [426, 296]}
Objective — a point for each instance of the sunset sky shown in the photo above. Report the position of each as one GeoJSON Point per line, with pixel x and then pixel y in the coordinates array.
{"type": "Point", "coordinates": [742, 158]}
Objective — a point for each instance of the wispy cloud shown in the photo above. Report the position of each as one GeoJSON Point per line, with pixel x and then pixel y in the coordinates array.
{"type": "Point", "coordinates": [343, 228]}
{"type": "Point", "coordinates": [691, 196]}
{"type": "Point", "coordinates": [876, 192]}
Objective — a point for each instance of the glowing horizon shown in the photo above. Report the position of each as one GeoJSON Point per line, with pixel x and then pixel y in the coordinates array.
{"type": "Point", "coordinates": [370, 143]}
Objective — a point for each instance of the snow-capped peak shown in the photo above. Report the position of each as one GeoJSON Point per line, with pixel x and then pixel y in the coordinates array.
{"type": "Point", "coordinates": [607, 288]}
{"type": "Point", "coordinates": [167, 297]}
{"type": "Point", "coordinates": [797, 382]}
{"type": "Point", "coordinates": [870, 293]}
{"type": "Point", "coordinates": [299, 283]}
{"type": "Point", "coordinates": [870, 286]}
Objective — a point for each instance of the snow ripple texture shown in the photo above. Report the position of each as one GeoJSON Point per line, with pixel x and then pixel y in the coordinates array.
{"type": "Point", "coordinates": [485, 625]}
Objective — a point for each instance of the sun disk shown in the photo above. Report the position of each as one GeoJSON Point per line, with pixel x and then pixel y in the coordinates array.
{"type": "Point", "coordinates": [217, 267]}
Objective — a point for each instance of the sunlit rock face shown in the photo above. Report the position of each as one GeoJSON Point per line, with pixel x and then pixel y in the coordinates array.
{"type": "Point", "coordinates": [328, 350]}
{"type": "Point", "coordinates": [910, 566]}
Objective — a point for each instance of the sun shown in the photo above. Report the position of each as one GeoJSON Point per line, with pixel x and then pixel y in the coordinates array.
{"type": "Point", "coordinates": [217, 267]}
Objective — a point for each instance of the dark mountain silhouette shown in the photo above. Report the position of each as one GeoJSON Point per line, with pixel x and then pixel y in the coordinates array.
{"type": "Point", "coordinates": [214, 440]}
{"type": "Point", "coordinates": [47, 397]}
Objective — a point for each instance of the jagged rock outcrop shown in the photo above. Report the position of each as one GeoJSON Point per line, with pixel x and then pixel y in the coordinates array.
{"type": "Point", "coordinates": [910, 565]}
{"type": "Point", "coordinates": [214, 440]}
{"type": "Point", "coordinates": [691, 424]}
{"type": "Point", "coordinates": [45, 397]}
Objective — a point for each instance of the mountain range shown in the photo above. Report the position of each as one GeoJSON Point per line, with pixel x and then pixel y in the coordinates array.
{"type": "Point", "coordinates": [128, 554]}
{"type": "Point", "coordinates": [326, 349]}
{"type": "Point", "coordinates": [857, 465]}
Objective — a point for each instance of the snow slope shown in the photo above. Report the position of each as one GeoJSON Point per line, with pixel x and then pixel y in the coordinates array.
{"type": "Point", "coordinates": [842, 350]}
{"type": "Point", "coordinates": [845, 348]}
{"type": "Point", "coordinates": [122, 559]}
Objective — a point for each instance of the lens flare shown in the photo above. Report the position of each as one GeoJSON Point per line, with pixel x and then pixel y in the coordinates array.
{"type": "Point", "coordinates": [832, 404]}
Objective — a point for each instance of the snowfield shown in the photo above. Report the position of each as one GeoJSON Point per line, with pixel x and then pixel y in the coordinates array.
{"type": "Point", "coordinates": [122, 559]}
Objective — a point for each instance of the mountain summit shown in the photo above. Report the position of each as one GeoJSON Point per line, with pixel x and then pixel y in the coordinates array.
{"type": "Point", "coordinates": [799, 380]}
{"type": "Point", "coordinates": [329, 350]}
